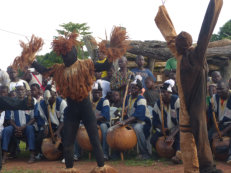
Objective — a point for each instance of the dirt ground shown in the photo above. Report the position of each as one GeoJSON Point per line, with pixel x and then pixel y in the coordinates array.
{"type": "Point", "coordinates": [87, 166]}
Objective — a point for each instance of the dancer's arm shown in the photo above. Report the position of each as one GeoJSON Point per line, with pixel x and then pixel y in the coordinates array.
{"type": "Point", "coordinates": [7, 103]}
{"type": "Point", "coordinates": [207, 28]}
{"type": "Point", "coordinates": [41, 69]}
{"type": "Point", "coordinates": [166, 28]}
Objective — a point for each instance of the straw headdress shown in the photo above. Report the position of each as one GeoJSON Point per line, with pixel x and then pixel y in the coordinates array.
{"type": "Point", "coordinates": [117, 46]}
{"type": "Point", "coordinates": [28, 53]}
{"type": "Point", "coordinates": [62, 45]}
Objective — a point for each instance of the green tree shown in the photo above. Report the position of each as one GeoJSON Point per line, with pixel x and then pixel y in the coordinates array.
{"type": "Point", "coordinates": [49, 59]}
{"type": "Point", "coordinates": [82, 29]}
{"type": "Point", "coordinates": [225, 32]}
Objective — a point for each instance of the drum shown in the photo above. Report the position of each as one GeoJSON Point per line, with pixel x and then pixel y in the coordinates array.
{"type": "Point", "coordinates": [121, 138]}
{"type": "Point", "coordinates": [164, 149]}
{"type": "Point", "coordinates": [50, 149]}
{"type": "Point", "coordinates": [83, 138]}
{"type": "Point", "coordinates": [221, 148]}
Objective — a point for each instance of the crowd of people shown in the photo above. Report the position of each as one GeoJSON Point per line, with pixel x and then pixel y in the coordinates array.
{"type": "Point", "coordinates": [151, 108]}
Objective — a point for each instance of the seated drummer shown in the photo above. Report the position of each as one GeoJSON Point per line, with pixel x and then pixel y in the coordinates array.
{"type": "Point", "coordinates": [50, 108]}
{"type": "Point", "coordinates": [102, 113]}
{"type": "Point", "coordinates": [222, 108]}
{"type": "Point", "coordinates": [171, 105]}
{"type": "Point", "coordinates": [138, 116]}
{"type": "Point", "coordinates": [21, 127]}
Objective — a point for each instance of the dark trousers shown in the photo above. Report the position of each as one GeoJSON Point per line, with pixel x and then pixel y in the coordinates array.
{"type": "Point", "coordinates": [75, 112]}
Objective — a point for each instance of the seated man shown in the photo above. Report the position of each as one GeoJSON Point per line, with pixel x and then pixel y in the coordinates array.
{"type": "Point", "coordinates": [102, 113]}
{"type": "Point", "coordinates": [51, 108]}
{"type": "Point", "coordinates": [138, 116]}
{"type": "Point", "coordinates": [171, 105]}
{"type": "Point", "coordinates": [221, 105]}
{"type": "Point", "coordinates": [4, 90]}
{"type": "Point", "coordinates": [21, 127]}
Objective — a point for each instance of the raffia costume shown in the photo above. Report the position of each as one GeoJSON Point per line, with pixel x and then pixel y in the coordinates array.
{"type": "Point", "coordinates": [74, 80]}
{"type": "Point", "coordinates": [191, 80]}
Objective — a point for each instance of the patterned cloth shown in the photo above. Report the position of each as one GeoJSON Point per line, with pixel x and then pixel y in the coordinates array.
{"type": "Point", "coordinates": [118, 80]}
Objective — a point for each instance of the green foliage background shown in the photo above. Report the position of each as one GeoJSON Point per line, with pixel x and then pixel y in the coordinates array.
{"type": "Point", "coordinates": [82, 29]}
{"type": "Point", "coordinates": [224, 33]}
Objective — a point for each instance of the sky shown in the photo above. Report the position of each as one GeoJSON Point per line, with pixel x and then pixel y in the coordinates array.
{"type": "Point", "coordinates": [22, 18]}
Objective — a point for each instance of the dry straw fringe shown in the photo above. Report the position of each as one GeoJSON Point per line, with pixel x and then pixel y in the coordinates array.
{"type": "Point", "coordinates": [74, 82]}
{"type": "Point", "coordinates": [63, 45]}
{"type": "Point", "coordinates": [117, 46]}
{"type": "Point", "coordinates": [28, 53]}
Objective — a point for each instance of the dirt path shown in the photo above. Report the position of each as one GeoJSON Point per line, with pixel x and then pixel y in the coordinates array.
{"type": "Point", "coordinates": [86, 166]}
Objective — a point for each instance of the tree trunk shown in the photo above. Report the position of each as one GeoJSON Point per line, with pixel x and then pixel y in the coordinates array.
{"type": "Point", "coordinates": [226, 71]}
{"type": "Point", "coordinates": [151, 64]}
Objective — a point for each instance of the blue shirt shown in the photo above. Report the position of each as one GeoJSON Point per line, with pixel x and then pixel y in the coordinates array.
{"type": "Point", "coordinates": [104, 108]}
{"type": "Point", "coordinates": [138, 108]}
{"type": "Point", "coordinates": [144, 74]}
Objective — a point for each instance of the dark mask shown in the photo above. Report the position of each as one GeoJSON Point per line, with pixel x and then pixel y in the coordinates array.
{"type": "Point", "coordinates": [70, 58]}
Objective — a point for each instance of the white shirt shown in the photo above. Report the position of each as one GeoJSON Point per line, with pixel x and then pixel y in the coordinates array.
{"type": "Point", "coordinates": [2, 118]}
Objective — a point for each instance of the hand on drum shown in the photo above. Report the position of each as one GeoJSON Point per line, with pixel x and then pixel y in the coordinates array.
{"type": "Point", "coordinates": [215, 136]}
{"type": "Point", "coordinates": [169, 139]}
{"type": "Point", "coordinates": [57, 134]}
{"type": "Point", "coordinates": [46, 130]}
{"type": "Point", "coordinates": [120, 123]}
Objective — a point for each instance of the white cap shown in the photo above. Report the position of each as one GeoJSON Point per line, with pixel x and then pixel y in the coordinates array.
{"type": "Point", "coordinates": [136, 78]}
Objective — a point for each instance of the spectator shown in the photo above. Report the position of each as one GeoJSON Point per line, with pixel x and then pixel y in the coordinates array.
{"type": "Point", "coordinates": [151, 94]}
{"type": "Point", "coordinates": [171, 65]}
{"type": "Point", "coordinates": [32, 76]}
{"type": "Point", "coordinates": [21, 127]}
{"type": "Point", "coordinates": [138, 116]}
{"type": "Point", "coordinates": [120, 78]}
{"type": "Point", "coordinates": [140, 70]}
{"type": "Point", "coordinates": [35, 92]}
{"type": "Point", "coordinates": [102, 113]}
{"type": "Point", "coordinates": [222, 108]}
{"type": "Point", "coordinates": [4, 78]}
{"type": "Point", "coordinates": [14, 79]}
{"type": "Point", "coordinates": [51, 107]}
{"type": "Point", "coordinates": [102, 58]}
{"type": "Point", "coordinates": [216, 76]}
{"type": "Point", "coordinates": [171, 105]}
{"type": "Point", "coordinates": [3, 93]}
